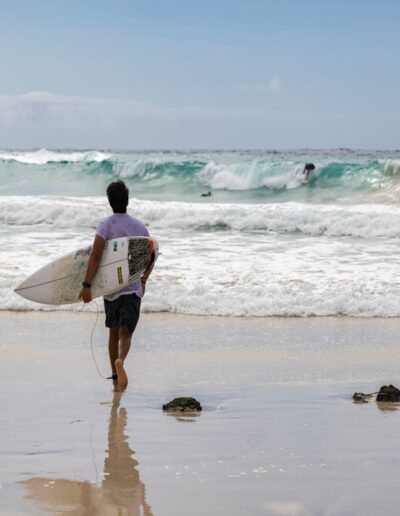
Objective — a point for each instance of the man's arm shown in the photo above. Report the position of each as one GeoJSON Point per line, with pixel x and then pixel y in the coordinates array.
{"type": "Point", "coordinates": [146, 274]}
{"type": "Point", "coordinates": [94, 260]}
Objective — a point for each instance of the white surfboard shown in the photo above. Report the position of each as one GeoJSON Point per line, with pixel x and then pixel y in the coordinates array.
{"type": "Point", "coordinates": [123, 262]}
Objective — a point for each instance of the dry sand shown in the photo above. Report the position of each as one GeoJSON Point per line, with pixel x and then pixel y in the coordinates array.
{"type": "Point", "coordinates": [279, 434]}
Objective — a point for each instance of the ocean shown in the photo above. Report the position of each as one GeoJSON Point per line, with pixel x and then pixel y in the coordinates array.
{"type": "Point", "coordinates": [262, 244]}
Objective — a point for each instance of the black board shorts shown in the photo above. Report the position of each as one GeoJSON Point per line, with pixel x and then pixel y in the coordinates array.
{"type": "Point", "coordinates": [123, 311]}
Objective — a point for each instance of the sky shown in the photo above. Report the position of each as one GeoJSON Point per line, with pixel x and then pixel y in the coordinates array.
{"type": "Point", "coordinates": [199, 74]}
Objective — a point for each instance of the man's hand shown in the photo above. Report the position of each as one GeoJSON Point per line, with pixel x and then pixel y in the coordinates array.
{"type": "Point", "coordinates": [93, 264]}
{"type": "Point", "coordinates": [85, 294]}
{"type": "Point", "coordinates": [143, 283]}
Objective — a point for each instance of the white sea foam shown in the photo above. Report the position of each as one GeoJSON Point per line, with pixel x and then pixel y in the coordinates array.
{"type": "Point", "coordinates": [233, 274]}
{"type": "Point", "coordinates": [43, 156]}
{"type": "Point", "coordinates": [325, 254]}
{"type": "Point", "coordinates": [391, 166]}
{"type": "Point", "coordinates": [361, 221]}
{"type": "Point", "coordinates": [173, 176]}
{"type": "Point", "coordinates": [211, 301]}
{"type": "Point", "coordinates": [220, 177]}
{"type": "Point", "coordinates": [137, 168]}
{"type": "Point", "coordinates": [283, 259]}
{"type": "Point", "coordinates": [249, 176]}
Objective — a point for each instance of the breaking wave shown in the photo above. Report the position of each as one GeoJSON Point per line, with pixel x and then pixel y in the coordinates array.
{"type": "Point", "coordinates": [360, 221]}
{"type": "Point", "coordinates": [260, 244]}
{"type": "Point", "coordinates": [247, 176]}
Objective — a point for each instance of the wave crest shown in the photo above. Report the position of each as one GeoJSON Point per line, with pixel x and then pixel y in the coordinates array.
{"type": "Point", "coordinates": [185, 176]}
{"type": "Point", "coordinates": [43, 156]}
{"type": "Point", "coordinates": [361, 221]}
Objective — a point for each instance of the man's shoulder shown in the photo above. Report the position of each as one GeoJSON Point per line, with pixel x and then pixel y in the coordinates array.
{"type": "Point", "coordinates": [136, 220]}
{"type": "Point", "coordinates": [140, 227]}
{"type": "Point", "coordinates": [106, 219]}
{"type": "Point", "coordinates": [117, 224]}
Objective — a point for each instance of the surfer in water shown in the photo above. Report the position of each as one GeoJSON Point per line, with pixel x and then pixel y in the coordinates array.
{"type": "Point", "coordinates": [122, 308]}
{"type": "Point", "coordinates": [308, 168]}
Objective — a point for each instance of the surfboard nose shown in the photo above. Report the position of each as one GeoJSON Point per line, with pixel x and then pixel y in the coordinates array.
{"type": "Point", "coordinates": [24, 290]}
{"type": "Point", "coordinates": [21, 286]}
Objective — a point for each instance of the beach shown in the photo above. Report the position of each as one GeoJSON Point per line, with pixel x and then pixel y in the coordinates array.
{"type": "Point", "coordinates": [278, 434]}
{"type": "Point", "coordinates": [253, 148]}
{"type": "Point", "coordinates": [271, 303]}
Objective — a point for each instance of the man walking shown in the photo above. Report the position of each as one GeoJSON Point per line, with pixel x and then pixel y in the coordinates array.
{"type": "Point", "coordinates": [122, 308]}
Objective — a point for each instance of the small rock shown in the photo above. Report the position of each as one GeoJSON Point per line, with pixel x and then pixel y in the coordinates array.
{"type": "Point", "coordinates": [388, 393]}
{"type": "Point", "coordinates": [183, 404]}
{"type": "Point", "coordinates": [360, 397]}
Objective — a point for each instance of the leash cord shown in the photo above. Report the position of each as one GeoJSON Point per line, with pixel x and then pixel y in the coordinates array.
{"type": "Point", "coordinates": [91, 338]}
{"type": "Point", "coordinates": [91, 341]}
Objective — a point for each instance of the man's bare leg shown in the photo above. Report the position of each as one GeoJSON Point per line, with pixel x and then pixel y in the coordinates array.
{"type": "Point", "coordinates": [125, 338]}
{"type": "Point", "coordinates": [113, 340]}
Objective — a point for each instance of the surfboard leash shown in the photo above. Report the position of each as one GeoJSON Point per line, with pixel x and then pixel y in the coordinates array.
{"type": "Point", "coordinates": [91, 338]}
{"type": "Point", "coordinates": [91, 341]}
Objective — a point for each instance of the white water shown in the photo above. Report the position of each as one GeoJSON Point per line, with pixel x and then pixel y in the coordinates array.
{"type": "Point", "coordinates": [359, 221]}
{"type": "Point", "coordinates": [43, 156]}
{"type": "Point", "coordinates": [240, 260]}
{"type": "Point", "coordinates": [260, 245]}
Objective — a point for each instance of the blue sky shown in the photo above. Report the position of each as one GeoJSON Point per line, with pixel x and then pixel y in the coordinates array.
{"type": "Point", "coordinates": [200, 74]}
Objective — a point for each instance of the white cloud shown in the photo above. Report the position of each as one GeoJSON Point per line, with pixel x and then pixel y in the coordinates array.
{"type": "Point", "coordinates": [41, 110]}
{"type": "Point", "coordinates": [77, 111]}
{"type": "Point", "coordinates": [45, 119]}
{"type": "Point", "coordinates": [274, 83]}
{"type": "Point", "coordinates": [71, 111]}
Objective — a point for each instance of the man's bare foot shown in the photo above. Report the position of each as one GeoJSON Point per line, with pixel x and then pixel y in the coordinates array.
{"type": "Point", "coordinates": [116, 386]}
{"type": "Point", "coordinates": [122, 377]}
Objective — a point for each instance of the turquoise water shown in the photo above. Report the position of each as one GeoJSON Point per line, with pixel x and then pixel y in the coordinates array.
{"type": "Point", "coordinates": [230, 176]}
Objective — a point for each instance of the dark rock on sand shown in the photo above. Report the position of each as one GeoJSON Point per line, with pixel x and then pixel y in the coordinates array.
{"type": "Point", "coordinates": [388, 393]}
{"type": "Point", "coordinates": [183, 404]}
{"type": "Point", "coordinates": [360, 397]}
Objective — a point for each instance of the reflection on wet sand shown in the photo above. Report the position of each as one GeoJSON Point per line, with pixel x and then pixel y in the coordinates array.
{"type": "Point", "coordinates": [186, 417]}
{"type": "Point", "coordinates": [388, 406]}
{"type": "Point", "coordinates": [121, 492]}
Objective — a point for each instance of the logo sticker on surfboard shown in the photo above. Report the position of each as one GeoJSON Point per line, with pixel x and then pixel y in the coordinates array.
{"type": "Point", "coordinates": [120, 279]}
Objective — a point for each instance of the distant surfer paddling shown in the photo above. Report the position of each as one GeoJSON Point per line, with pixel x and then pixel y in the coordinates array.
{"type": "Point", "coordinates": [122, 308]}
{"type": "Point", "coordinates": [308, 168]}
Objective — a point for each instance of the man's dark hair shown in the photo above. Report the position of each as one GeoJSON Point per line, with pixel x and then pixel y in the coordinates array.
{"type": "Point", "coordinates": [118, 196]}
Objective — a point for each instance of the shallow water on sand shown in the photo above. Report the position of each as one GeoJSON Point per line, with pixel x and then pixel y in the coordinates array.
{"type": "Point", "coordinates": [278, 435]}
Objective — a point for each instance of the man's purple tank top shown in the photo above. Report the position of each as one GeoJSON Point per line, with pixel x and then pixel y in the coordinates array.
{"type": "Point", "coordinates": [121, 225]}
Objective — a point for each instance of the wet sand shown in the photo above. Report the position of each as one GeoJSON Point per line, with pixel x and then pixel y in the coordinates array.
{"type": "Point", "coordinates": [279, 434]}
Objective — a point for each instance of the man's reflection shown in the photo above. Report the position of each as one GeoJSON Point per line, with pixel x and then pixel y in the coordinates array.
{"type": "Point", "coordinates": [120, 493]}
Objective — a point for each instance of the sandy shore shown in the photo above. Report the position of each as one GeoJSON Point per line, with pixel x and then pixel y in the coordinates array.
{"type": "Point", "coordinates": [279, 434]}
